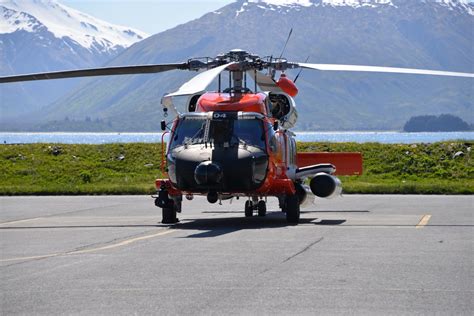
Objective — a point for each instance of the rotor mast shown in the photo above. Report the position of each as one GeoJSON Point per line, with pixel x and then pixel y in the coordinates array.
{"type": "Point", "coordinates": [237, 74]}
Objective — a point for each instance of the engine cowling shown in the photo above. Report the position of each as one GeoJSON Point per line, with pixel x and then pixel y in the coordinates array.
{"type": "Point", "coordinates": [283, 108]}
{"type": "Point", "coordinates": [325, 185]}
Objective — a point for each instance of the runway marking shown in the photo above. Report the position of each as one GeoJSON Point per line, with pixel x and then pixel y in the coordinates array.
{"type": "Point", "coordinates": [107, 247]}
{"type": "Point", "coordinates": [56, 214]}
{"type": "Point", "coordinates": [20, 221]}
{"type": "Point", "coordinates": [424, 221]}
{"type": "Point", "coordinates": [122, 243]}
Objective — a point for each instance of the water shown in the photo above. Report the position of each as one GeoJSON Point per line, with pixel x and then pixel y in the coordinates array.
{"type": "Point", "coordinates": [383, 137]}
{"type": "Point", "coordinates": [358, 137]}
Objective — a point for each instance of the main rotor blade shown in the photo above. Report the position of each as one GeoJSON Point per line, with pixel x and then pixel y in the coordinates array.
{"type": "Point", "coordinates": [334, 67]}
{"type": "Point", "coordinates": [266, 83]}
{"type": "Point", "coordinates": [200, 82]}
{"type": "Point", "coordinates": [107, 71]}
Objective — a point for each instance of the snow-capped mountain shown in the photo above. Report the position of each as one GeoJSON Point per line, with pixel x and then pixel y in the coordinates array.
{"type": "Point", "coordinates": [45, 35]}
{"type": "Point", "coordinates": [62, 21]}
{"type": "Point", "coordinates": [284, 5]}
{"type": "Point", "coordinates": [352, 3]}
{"type": "Point", "coordinates": [308, 3]}
{"type": "Point", "coordinates": [425, 34]}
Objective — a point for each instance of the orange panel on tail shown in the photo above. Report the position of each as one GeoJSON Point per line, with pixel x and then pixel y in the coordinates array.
{"type": "Point", "coordinates": [347, 164]}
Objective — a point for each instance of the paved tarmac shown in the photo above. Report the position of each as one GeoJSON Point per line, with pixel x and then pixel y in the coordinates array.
{"type": "Point", "coordinates": [357, 255]}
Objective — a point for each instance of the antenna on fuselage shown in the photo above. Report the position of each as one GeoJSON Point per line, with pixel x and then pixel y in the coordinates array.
{"type": "Point", "coordinates": [301, 70]}
{"type": "Point", "coordinates": [287, 40]}
{"type": "Point", "coordinates": [272, 72]}
{"type": "Point", "coordinates": [255, 79]}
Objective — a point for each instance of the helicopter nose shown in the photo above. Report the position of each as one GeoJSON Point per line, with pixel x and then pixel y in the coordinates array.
{"type": "Point", "coordinates": [208, 173]}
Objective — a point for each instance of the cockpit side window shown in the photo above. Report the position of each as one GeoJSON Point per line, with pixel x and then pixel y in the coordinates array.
{"type": "Point", "coordinates": [272, 138]}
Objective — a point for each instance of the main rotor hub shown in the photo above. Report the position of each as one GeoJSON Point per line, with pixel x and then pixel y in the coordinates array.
{"type": "Point", "coordinates": [237, 54]}
{"type": "Point", "coordinates": [244, 61]}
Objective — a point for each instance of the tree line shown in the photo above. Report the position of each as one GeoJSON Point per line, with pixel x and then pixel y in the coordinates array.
{"type": "Point", "coordinates": [432, 123]}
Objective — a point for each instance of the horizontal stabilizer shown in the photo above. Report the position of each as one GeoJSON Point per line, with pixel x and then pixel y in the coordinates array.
{"type": "Point", "coordinates": [311, 170]}
{"type": "Point", "coordinates": [346, 163]}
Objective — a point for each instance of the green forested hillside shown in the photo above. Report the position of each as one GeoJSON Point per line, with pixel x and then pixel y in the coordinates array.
{"type": "Point", "coordinates": [433, 123]}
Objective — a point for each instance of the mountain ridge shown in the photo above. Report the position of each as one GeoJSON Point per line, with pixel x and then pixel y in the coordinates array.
{"type": "Point", "coordinates": [44, 35]}
{"type": "Point", "coordinates": [417, 34]}
{"type": "Point", "coordinates": [63, 21]}
{"type": "Point", "coordinates": [465, 5]}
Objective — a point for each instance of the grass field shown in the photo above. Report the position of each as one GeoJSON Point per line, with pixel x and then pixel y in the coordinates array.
{"type": "Point", "coordinates": [52, 169]}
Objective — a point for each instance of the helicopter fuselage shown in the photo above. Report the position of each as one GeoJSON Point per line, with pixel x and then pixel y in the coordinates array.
{"type": "Point", "coordinates": [228, 147]}
{"type": "Point", "coordinates": [236, 142]}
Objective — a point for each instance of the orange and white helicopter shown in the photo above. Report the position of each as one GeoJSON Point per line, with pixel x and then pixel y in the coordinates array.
{"type": "Point", "coordinates": [236, 141]}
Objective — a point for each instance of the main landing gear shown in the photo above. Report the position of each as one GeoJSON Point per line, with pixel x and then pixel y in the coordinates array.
{"type": "Point", "coordinates": [290, 205]}
{"type": "Point", "coordinates": [169, 214]}
{"type": "Point", "coordinates": [170, 206]}
{"type": "Point", "coordinates": [254, 204]}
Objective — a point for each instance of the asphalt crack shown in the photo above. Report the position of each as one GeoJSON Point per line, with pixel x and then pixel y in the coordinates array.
{"type": "Point", "coordinates": [303, 251]}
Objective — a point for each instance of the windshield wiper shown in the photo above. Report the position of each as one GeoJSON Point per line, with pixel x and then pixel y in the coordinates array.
{"type": "Point", "coordinates": [195, 139]}
{"type": "Point", "coordinates": [240, 141]}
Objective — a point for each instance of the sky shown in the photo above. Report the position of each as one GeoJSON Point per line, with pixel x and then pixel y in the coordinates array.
{"type": "Point", "coordinates": [149, 16]}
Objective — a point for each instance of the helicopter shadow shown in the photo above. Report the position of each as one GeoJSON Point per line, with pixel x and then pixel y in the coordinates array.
{"type": "Point", "coordinates": [214, 227]}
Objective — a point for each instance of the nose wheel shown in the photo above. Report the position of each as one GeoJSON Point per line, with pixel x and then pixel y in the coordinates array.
{"type": "Point", "coordinates": [260, 207]}
{"type": "Point", "coordinates": [248, 208]}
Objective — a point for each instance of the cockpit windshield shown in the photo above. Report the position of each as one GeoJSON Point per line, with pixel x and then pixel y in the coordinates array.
{"type": "Point", "coordinates": [188, 132]}
{"type": "Point", "coordinates": [219, 132]}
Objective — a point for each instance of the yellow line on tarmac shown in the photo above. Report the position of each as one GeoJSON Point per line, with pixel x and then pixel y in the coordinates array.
{"type": "Point", "coordinates": [423, 221]}
{"type": "Point", "coordinates": [75, 252]}
{"type": "Point", "coordinates": [32, 257]}
{"type": "Point", "coordinates": [20, 221]}
{"type": "Point", "coordinates": [122, 243]}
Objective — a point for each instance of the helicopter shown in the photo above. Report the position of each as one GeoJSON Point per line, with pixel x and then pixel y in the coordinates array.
{"type": "Point", "coordinates": [236, 141]}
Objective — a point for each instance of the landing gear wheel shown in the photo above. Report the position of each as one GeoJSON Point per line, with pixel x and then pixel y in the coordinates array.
{"type": "Point", "coordinates": [169, 206]}
{"type": "Point", "coordinates": [169, 215]}
{"type": "Point", "coordinates": [262, 208]}
{"type": "Point", "coordinates": [281, 203]}
{"type": "Point", "coordinates": [169, 212]}
{"type": "Point", "coordinates": [248, 209]}
{"type": "Point", "coordinates": [292, 208]}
